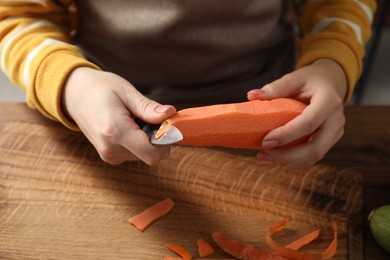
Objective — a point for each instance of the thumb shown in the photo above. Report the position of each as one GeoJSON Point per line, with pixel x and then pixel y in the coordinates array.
{"type": "Point", "coordinates": [148, 110]}
{"type": "Point", "coordinates": [283, 87]}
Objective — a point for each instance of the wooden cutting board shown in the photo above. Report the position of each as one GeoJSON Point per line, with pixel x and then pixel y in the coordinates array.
{"type": "Point", "coordinates": [59, 200]}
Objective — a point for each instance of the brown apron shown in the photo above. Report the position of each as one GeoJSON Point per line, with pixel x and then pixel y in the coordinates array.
{"type": "Point", "coordinates": [193, 52]}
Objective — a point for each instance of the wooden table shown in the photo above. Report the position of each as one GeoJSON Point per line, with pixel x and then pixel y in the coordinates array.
{"type": "Point", "coordinates": [365, 148]}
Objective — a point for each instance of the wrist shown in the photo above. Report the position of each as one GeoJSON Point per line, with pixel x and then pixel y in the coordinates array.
{"type": "Point", "coordinates": [335, 72]}
{"type": "Point", "coordinates": [75, 82]}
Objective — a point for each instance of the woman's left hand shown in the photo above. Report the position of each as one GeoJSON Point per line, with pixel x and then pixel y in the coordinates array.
{"type": "Point", "coordinates": [322, 85]}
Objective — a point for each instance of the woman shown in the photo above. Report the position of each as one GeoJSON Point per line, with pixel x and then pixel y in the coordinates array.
{"type": "Point", "coordinates": [93, 65]}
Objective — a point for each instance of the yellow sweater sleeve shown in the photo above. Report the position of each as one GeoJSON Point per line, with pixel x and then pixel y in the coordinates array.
{"type": "Point", "coordinates": [36, 51]}
{"type": "Point", "coordinates": [338, 30]}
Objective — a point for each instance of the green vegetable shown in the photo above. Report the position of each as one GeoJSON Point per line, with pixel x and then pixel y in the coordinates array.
{"type": "Point", "coordinates": [380, 226]}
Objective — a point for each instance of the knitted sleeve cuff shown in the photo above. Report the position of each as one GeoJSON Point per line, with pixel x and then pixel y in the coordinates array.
{"type": "Point", "coordinates": [320, 46]}
{"type": "Point", "coordinates": [53, 71]}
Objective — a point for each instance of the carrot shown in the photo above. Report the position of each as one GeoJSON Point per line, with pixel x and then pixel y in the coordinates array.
{"type": "Point", "coordinates": [331, 250]}
{"type": "Point", "coordinates": [181, 251]}
{"type": "Point", "coordinates": [305, 240]}
{"type": "Point", "coordinates": [292, 254]}
{"type": "Point", "coordinates": [241, 250]}
{"type": "Point", "coordinates": [204, 248]}
{"type": "Point", "coordinates": [278, 226]}
{"type": "Point", "coordinates": [148, 216]}
{"type": "Point", "coordinates": [295, 245]}
{"type": "Point", "coordinates": [237, 125]}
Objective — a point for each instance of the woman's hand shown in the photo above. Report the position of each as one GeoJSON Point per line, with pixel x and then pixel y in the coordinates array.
{"type": "Point", "coordinates": [103, 106]}
{"type": "Point", "coordinates": [323, 86]}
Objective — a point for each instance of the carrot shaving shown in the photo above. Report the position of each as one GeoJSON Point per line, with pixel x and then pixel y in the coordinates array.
{"type": "Point", "coordinates": [148, 216]}
{"type": "Point", "coordinates": [181, 251]}
{"type": "Point", "coordinates": [292, 253]}
{"type": "Point", "coordinates": [204, 248]}
{"type": "Point", "coordinates": [278, 226]}
{"type": "Point", "coordinates": [305, 240]}
{"type": "Point", "coordinates": [331, 250]}
{"type": "Point", "coordinates": [241, 250]}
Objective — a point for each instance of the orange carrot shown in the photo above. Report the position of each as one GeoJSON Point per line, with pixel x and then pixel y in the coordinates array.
{"type": "Point", "coordinates": [297, 255]}
{"type": "Point", "coordinates": [181, 251]}
{"type": "Point", "coordinates": [278, 226]}
{"type": "Point", "coordinates": [305, 240]}
{"type": "Point", "coordinates": [148, 216]}
{"type": "Point", "coordinates": [331, 250]}
{"type": "Point", "coordinates": [241, 250]}
{"type": "Point", "coordinates": [204, 248]}
{"type": "Point", "coordinates": [172, 258]}
{"type": "Point", "coordinates": [237, 125]}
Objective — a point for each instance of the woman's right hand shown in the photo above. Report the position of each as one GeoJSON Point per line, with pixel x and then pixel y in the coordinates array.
{"type": "Point", "coordinates": [103, 106]}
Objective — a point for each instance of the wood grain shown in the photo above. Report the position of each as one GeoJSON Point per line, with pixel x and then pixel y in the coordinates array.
{"type": "Point", "coordinates": [58, 200]}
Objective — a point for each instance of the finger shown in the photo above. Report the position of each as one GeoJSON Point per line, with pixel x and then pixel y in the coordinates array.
{"type": "Point", "coordinates": [146, 109]}
{"type": "Point", "coordinates": [126, 156]}
{"type": "Point", "coordinates": [117, 155]}
{"type": "Point", "coordinates": [137, 142]}
{"type": "Point", "coordinates": [284, 87]}
{"type": "Point", "coordinates": [125, 141]}
{"type": "Point", "coordinates": [309, 153]}
{"type": "Point", "coordinates": [303, 125]}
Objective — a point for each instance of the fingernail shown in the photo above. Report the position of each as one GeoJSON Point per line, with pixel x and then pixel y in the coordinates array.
{"type": "Point", "coordinates": [257, 92]}
{"type": "Point", "coordinates": [264, 156]}
{"type": "Point", "coordinates": [269, 144]}
{"type": "Point", "coordinates": [162, 108]}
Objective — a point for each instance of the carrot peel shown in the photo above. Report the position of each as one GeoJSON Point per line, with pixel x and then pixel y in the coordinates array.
{"type": "Point", "coordinates": [148, 216]}
{"type": "Point", "coordinates": [181, 251]}
{"type": "Point", "coordinates": [290, 251]}
{"type": "Point", "coordinates": [305, 240]}
{"type": "Point", "coordinates": [204, 248]}
{"type": "Point", "coordinates": [278, 226]}
{"type": "Point", "coordinates": [240, 250]}
{"type": "Point", "coordinates": [331, 250]}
